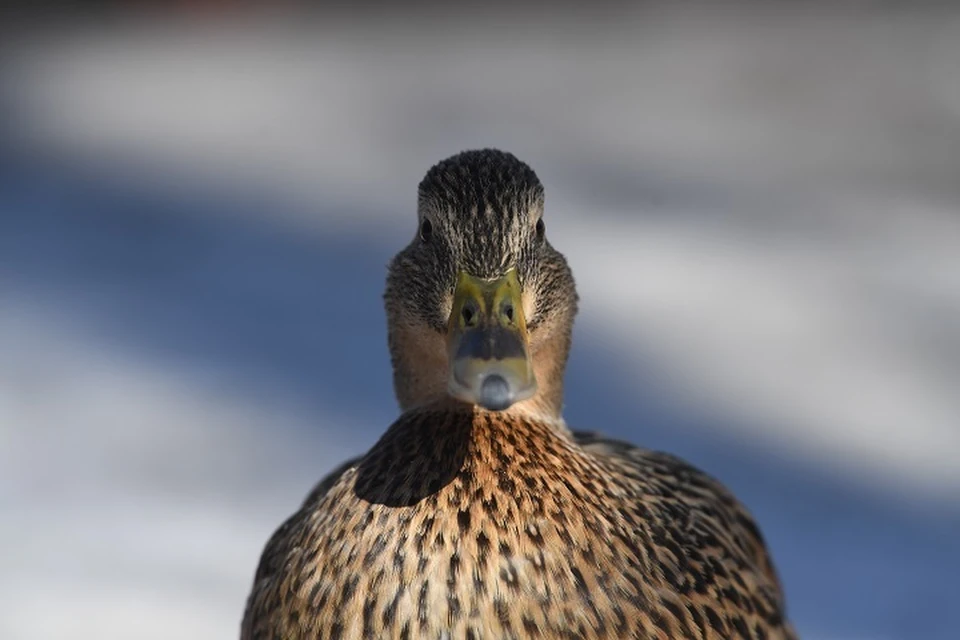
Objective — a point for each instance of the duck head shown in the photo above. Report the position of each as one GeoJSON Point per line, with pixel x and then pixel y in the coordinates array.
{"type": "Point", "coordinates": [480, 306]}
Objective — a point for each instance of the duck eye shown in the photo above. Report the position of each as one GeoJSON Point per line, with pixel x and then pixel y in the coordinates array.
{"type": "Point", "coordinates": [540, 229]}
{"type": "Point", "coordinates": [426, 230]}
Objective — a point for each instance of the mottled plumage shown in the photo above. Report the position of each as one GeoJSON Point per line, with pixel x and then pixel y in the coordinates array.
{"type": "Point", "coordinates": [462, 522]}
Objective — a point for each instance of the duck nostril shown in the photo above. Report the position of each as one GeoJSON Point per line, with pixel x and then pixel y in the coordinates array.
{"type": "Point", "coordinates": [469, 314]}
{"type": "Point", "coordinates": [508, 311]}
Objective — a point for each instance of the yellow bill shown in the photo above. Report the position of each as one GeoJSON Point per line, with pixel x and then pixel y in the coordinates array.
{"type": "Point", "coordinates": [489, 362]}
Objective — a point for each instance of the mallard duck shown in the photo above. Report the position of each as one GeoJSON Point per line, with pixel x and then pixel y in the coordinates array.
{"type": "Point", "coordinates": [479, 513]}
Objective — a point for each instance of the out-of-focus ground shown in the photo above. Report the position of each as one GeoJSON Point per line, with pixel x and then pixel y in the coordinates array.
{"type": "Point", "coordinates": [762, 210]}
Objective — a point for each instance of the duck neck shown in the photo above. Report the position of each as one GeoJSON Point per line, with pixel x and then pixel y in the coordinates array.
{"type": "Point", "coordinates": [431, 448]}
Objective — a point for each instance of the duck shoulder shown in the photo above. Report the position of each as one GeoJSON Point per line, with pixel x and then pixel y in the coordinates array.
{"type": "Point", "coordinates": [673, 482]}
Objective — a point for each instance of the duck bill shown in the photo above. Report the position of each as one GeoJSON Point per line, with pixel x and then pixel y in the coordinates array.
{"type": "Point", "coordinates": [489, 360]}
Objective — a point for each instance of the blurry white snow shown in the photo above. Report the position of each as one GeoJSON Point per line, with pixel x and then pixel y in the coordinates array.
{"type": "Point", "coordinates": [812, 290]}
{"type": "Point", "coordinates": [130, 496]}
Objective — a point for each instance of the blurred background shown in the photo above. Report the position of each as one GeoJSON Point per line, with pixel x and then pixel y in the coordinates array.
{"type": "Point", "coordinates": [760, 201]}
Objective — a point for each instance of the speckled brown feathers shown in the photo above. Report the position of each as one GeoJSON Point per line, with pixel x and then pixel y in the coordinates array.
{"type": "Point", "coordinates": [465, 525]}
{"type": "Point", "coordinates": [462, 523]}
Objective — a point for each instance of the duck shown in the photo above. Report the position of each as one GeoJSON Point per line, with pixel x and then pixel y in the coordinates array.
{"type": "Point", "coordinates": [479, 514]}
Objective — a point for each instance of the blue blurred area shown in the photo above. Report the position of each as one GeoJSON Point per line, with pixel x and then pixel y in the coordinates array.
{"type": "Point", "coordinates": [192, 276]}
{"type": "Point", "coordinates": [186, 279]}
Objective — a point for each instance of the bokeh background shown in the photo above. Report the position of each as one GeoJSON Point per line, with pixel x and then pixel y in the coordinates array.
{"type": "Point", "coordinates": [760, 201]}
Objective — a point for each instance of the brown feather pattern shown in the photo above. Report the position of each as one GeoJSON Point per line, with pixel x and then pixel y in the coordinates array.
{"type": "Point", "coordinates": [468, 524]}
